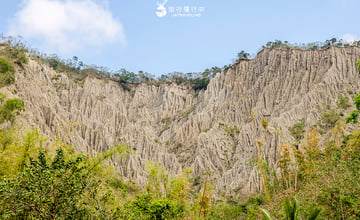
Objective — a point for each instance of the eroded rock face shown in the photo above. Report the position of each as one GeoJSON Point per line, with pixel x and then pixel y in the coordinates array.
{"type": "Point", "coordinates": [178, 128]}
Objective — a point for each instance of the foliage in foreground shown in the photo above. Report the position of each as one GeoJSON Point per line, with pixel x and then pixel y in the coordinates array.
{"type": "Point", "coordinates": [67, 186]}
{"type": "Point", "coordinates": [323, 178]}
{"type": "Point", "coordinates": [46, 189]}
{"type": "Point", "coordinates": [38, 182]}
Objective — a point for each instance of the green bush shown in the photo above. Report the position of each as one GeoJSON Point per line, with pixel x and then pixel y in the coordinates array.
{"type": "Point", "coordinates": [46, 190]}
{"type": "Point", "coordinates": [125, 86]}
{"type": "Point", "coordinates": [297, 130]}
{"type": "Point", "coordinates": [5, 66]}
{"type": "Point", "coordinates": [11, 109]}
{"type": "Point", "coordinates": [343, 102]}
{"type": "Point", "coordinates": [208, 129]}
{"type": "Point", "coordinates": [328, 118]}
{"type": "Point", "coordinates": [243, 54]}
{"type": "Point", "coordinates": [80, 81]}
{"type": "Point", "coordinates": [6, 73]}
{"type": "Point", "coordinates": [353, 118]}
{"type": "Point", "coordinates": [146, 206]}
{"type": "Point", "coordinates": [199, 83]}
{"type": "Point", "coordinates": [232, 131]}
{"type": "Point", "coordinates": [17, 54]}
{"type": "Point", "coordinates": [358, 64]}
{"type": "Point", "coordinates": [290, 207]}
{"type": "Point", "coordinates": [227, 211]}
{"type": "Point", "coordinates": [64, 186]}
{"type": "Point", "coordinates": [357, 101]}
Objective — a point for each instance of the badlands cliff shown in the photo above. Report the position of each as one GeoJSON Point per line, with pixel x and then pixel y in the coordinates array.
{"type": "Point", "coordinates": [210, 130]}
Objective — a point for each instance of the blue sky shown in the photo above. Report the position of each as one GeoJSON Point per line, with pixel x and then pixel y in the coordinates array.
{"type": "Point", "coordinates": [129, 34]}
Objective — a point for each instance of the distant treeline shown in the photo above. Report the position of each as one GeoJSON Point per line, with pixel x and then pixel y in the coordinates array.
{"type": "Point", "coordinates": [79, 70]}
{"type": "Point", "coordinates": [197, 80]}
{"type": "Point", "coordinates": [311, 46]}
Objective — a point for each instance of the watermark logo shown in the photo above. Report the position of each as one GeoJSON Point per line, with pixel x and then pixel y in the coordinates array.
{"type": "Point", "coordinates": [179, 11]}
{"type": "Point", "coordinates": [161, 9]}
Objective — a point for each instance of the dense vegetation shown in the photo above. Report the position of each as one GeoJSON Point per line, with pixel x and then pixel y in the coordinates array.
{"type": "Point", "coordinates": [319, 177]}
{"type": "Point", "coordinates": [318, 181]}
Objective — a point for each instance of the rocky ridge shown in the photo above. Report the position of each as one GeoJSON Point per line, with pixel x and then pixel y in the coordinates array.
{"type": "Point", "coordinates": [177, 127]}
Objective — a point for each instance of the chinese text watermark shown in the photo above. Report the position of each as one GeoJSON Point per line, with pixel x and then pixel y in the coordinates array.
{"type": "Point", "coordinates": [179, 11]}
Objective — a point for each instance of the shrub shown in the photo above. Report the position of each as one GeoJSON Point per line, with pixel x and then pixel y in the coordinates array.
{"type": "Point", "coordinates": [54, 188]}
{"type": "Point", "coordinates": [265, 123]}
{"type": "Point", "coordinates": [80, 81]}
{"type": "Point", "coordinates": [343, 102]}
{"type": "Point", "coordinates": [290, 209]}
{"type": "Point", "coordinates": [18, 56]}
{"type": "Point", "coordinates": [357, 101]}
{"type": "Point", "coordinates": [232, 131]}
{"type": "Point", "coordinates": [125, 86]}
{"type": "Point", "coordinates": [207, 129]}
{"type": "Point", "coordinates": [199, 83]}
{"type": "Point", "coordinates": [16, 52]}
{"type": "Point", "coordinates": [297, 130]}
{"type": "Point", "coordinates": [146, 206]}
{"type": "Point", "coordinates": [11, 109]}
{"type": "Point", "coordinates": [227, 211]}
{"type": "Point", "coordinates": [358, 64]}
{"type": "Point", "coordinates": [328, 118]}
{"type": "Point", "coordinates": [243, 54]}
{"type": "Point", "coordinates": [353, 117]}
{"type": "Point", "coordinates": [5, 66]}
{"type": "Point", "coordinates": [6, 73]}
{"type": "Point", "coordinates": [196, 180]}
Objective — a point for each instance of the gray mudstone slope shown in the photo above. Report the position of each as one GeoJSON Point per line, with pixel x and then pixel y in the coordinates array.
{"type": "Point", "coordinates": [177, 127]}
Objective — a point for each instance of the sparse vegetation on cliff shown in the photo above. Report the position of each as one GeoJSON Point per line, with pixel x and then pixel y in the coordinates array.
{"type": "Point", "coordinates": [312, 177]}
{"type": "Point", "coordinates": [311, 46]}
{"type": "Point", "coordinates": [297, 130]}
{"type": "Point", "coordinates": [6, 73]}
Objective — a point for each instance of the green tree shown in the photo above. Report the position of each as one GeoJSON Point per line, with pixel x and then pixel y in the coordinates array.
{"type": "Point", "coordinates": [333, 40]}
{"type": "Point", "coordinates": [243, 54]}
{"type": "Point", "coordinates": [10, 109]}
{"type": "Point", "coordinates": [46, 190]}
{"type": "Point", "coordinates": [328, 118]}
{"type": "Point", "coordinates": [199, 83]}
{"type": "Point", "coordinates": [297, 130]}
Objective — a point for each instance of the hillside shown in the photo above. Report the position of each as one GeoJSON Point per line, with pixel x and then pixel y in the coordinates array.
{"type": "Point", "coordinates": [210, 130]}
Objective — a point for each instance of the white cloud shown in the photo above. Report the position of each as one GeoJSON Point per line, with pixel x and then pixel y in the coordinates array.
{"type": "Point", "coordinates": [349, 38]}
{"type": "Point", "coordinates": [67, 25]}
